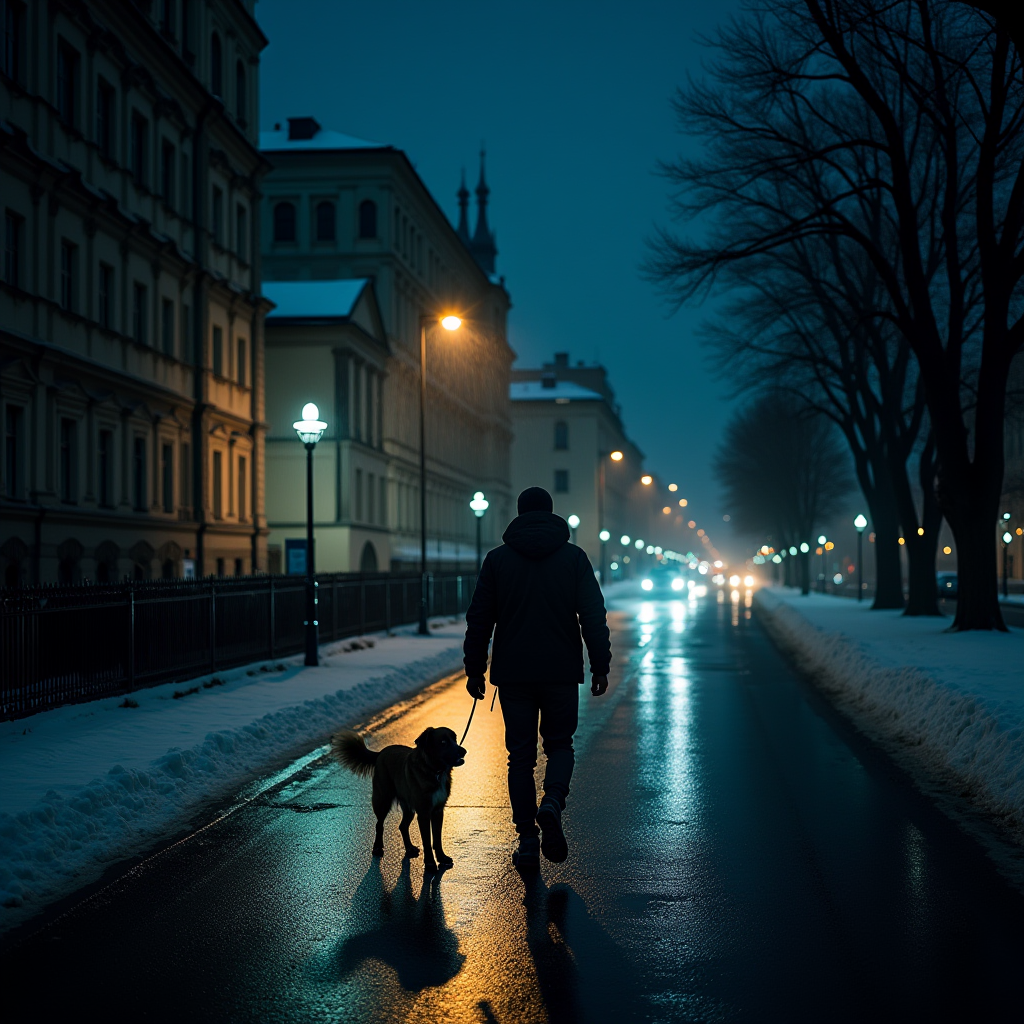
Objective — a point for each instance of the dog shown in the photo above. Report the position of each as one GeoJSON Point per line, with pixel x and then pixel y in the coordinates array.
{"type": "Point", "coordinates": [418, 779]}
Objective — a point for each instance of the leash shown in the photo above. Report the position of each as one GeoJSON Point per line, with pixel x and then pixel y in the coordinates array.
{"type": "Point", "coordinates": [472, 711]}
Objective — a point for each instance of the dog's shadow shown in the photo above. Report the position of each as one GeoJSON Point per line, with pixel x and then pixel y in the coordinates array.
{"type": "Point", "coordinates": [406, 932]}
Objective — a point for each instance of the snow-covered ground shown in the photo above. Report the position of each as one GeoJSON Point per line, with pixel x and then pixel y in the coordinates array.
{"type": "Point", "coordinates": [89, 784]}
{"type": "Point", "coordinates": [953, 703]}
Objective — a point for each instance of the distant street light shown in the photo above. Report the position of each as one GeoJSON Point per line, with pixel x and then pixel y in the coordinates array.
{"type": "Point", "coordinates": [822, 541]}
{"type": "Point", "coordinates": [616, 456]}
{"type": "Point", "coordinates": [574, 522]}
{"type": "Point", "coordinates": [310, 429]}
{"type": "Point", "coordinates": [624, 540]}
{"type": "Point", "coordinates": [861, 524]}
{"type": "Point", "coordinates": [1007, 537]}
{"type": "Point", "coordinates": [479, 505]}
{"type": "Point", "coordinates": [805, 547]}
{"type": "Point", "coordinates": [647, 479]}
{"type": "Point", "coordinates": [449, 323]}
{"type": "Point", "coordinates": [604, 536]}
{"type": "Point", "coordinates": [638, 544]}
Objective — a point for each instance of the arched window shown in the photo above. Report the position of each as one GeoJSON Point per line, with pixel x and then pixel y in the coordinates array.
{"type": "Point", "coordinates": [561, 436]}
{"type": "Point", "coordinates": [240, 93]}
{"type": "Point", "coordinates": [284, 222]}
{"type": "Point", "coordinates": [325, 222]}
{"type": "Point", "coordinates": [367, 219]}
{"type": "Point", "coordinates": [368, 559]}
{"type": "Point", "coordinates": [216, 66]}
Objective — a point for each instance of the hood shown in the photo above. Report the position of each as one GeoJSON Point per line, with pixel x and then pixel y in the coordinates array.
{"type": "Point", "coordinates": [536, 534]}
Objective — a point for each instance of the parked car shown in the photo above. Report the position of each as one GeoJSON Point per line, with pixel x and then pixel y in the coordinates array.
{"type": "Point", "coordinates": [946, 582]}
{"type": "Point", "coordinates": [664, 579]}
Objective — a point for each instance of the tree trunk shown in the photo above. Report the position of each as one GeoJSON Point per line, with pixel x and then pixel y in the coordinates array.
{"type": "Point", "coordinates": [805, 573]}
{"type": "Point", "coordinates": [977, 605]}
{"type": "Point", "coordinates": [888, 572]}
{"type": "Point", "coordinates": [924, 592]}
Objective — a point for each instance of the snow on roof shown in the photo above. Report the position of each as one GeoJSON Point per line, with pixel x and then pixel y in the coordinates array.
{"type": "Point", "coordinates": [534, 391]}
{"type": "Point", "coordinates": [278, 141]}
{"type": "Point", "coordinates": [314, 300]}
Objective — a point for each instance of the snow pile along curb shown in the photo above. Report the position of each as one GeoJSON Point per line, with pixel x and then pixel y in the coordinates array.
{"type": "Point", "coordinates": [67, 838]}
{"type": "Point", "coordinates": [962, 732]}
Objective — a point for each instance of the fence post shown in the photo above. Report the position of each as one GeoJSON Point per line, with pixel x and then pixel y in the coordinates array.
{"type": "Point", "coordinates": [273, 624]}
{"type": "Point", "coordinates": [131, 637]}
{"type": "Point", "coordinates": [213, 627]}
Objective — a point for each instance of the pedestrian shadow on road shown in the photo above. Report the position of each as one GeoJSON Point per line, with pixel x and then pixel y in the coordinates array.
{"type": "Point", "coordinates": [406, 932]}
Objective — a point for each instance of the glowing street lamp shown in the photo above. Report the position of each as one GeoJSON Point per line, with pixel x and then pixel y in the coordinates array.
{"type": "Point", "coordinates": [449, 323]}
{"type": "Point", "coordinates": [624, 540]}
{"type": "Point", "coordinates": [822, 541]}
{"type": "Point", "coordinates": [574, 522]}
{"type": "Point", "coordinates": [860, 523]}
{"type": "Point", "coordinates": [647, 479]}
{"type": "Point", "coordinates": [1007, 538]}
{"type": "Point", "coordinates": [310, 429]}
{"type": "Point", "coordinates": [479, 505]}
{"type": "Point", "coordinates": [616, 456]}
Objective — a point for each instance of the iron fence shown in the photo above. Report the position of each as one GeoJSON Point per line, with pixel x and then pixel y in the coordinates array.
{"type": "Point", "coordinates": [68, 644]}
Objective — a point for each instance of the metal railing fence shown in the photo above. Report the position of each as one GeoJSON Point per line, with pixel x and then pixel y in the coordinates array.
{"type": "Point", "coordinates": [68, 644]}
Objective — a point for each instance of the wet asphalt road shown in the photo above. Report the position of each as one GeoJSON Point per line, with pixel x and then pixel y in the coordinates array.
{"type": "Point", "coordinates": [737, 853]}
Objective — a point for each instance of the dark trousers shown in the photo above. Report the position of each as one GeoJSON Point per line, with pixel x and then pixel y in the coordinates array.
{"type": "Point", "coordinates": [557, 706]}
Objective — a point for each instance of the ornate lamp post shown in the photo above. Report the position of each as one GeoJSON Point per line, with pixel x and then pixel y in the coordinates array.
{"type": "Point", "coordinates": [449, 323]}
{"type": "Point", "coordinates": [479, 505]}
{"type": "Point", "coordinates": [310, 429]}
{"type": "Point", "coordinates": [574, 523]}
{"type": "Point", "coordinates": [860, 523]}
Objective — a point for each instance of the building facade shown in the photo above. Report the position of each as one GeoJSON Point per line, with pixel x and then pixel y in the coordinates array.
{"type": "Point", "coordinates": [131, 349]}
{"type": "Point", "coordinates": [344, 212]}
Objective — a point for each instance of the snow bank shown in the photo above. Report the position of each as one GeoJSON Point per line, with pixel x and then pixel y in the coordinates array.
{"type": "Point", "coordinates": [90, 784]}
{"type": "Point", "coordinates": [952, 702]}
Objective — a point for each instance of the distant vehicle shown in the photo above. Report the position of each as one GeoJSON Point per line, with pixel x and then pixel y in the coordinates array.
{"type": "Point", "coordinates": [663, 579]}
{"type": "Point", "coordinates": [946, 582]}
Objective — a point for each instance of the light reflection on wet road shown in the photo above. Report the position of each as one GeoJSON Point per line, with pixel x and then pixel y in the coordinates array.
{"type": "Point", "coordinates": [737, 853]}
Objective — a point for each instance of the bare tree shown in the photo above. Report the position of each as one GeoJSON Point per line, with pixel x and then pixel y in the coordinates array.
{"type": "Point", "coordinates": [918, 104]}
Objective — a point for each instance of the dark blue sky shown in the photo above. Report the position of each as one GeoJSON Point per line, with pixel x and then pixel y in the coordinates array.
{"type": "Point", "coordinates": [573, 102]}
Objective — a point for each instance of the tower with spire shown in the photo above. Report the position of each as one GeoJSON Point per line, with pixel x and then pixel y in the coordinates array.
{"type": "Point", "coordinates": [482, 244]}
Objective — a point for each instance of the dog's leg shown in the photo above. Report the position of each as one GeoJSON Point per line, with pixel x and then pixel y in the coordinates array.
{"type": "Point", "coordinates": [381, 802]}
{"type": "Point", "coordinates": [403, 827]}
{"type": "Point", "coordinates": [423, 817]}
{"type": "Point", "coordinates": [436, 825]}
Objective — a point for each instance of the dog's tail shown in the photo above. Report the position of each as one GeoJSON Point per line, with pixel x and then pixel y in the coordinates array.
{"type": "Point", "coordinates": [350, 749]}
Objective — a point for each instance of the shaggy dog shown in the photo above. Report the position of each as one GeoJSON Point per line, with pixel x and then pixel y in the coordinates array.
{"type": "Point", "coordinates": [418, 779]}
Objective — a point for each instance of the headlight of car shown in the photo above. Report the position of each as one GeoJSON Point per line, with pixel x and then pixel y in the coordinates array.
{"type": "Point", "coordinates": [647, 584]}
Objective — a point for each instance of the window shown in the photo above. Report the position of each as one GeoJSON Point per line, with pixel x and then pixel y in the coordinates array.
{"type": "Point", "coordinates": [239, 567]}
{"type": "Point", "coordinates": [67, 84]}
{"type": "Point", "coordinates": [218, 352]}
{"type": "Point", "coordinates": [167, 476]}
{"type": "Point", "coordinates": [167, 327]}
{"type": "Point", "coordinates": [242, 484]}
{"type": "Point", "coordinates": [240, 364]}
{"type": "Point", "coordinates": [284, 222]}
{"type": "Point", "coordinates": [561, 481]}
{"type": "Point", "coordinates": [370, 491]}
{"type": "Point", "coordinates": [325, 230]}
{"type": "Point", "coordinates": [168, 160]}
{"type": "Point", "coordinates": [106, 296]}
{"type": "Point", "coordinates": [241, 232]}
{"type": "Point", "coordinates": [13, 56]}
{"type": "Point", "coordinates": [367, 219]}
{"type": "Point", "coordinates": [216, 66]}
{"type": "Point", "coordinates": [185, 191]}
{"type": "Point", "coordinates": [186, 326]}
{"type": "Point", "coordinates": [139, 317]}
{"type": "Point", "coordinates": [561, 436]}
{"type": "Point", "coordinates": [105, 469]}
{"type": "Point", "coordinates": [359, 494]}
{"type": "Point", "coordinates": [218, 216]}
{"type": "Point", "coordinates": [240, 98]}
{"type": "Point", "coordinates": [68, 276]}
{"type": "Point", "coordinates": [186, 480]}
{"type": "Point", "coordinates": [67, 460]}
{"type": "Point", "coordinates": [382, 509]}
{"type": "Point", "coordinates": [13, 434]}
{"type": "Point", "coordinates": [220, 566]}
{"type": "Point", "coordinates": [218, 484]}
{"type": "Point", "coordinates": [138, 141]}
{"type": "Point", "coordinates": [12, 248]}
{"type": "Point", "coordinates": [105, 119]}
{"type": "Point", "coordinates": [139, 474]}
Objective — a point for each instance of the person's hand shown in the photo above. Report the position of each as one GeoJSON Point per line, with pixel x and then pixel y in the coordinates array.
{"type": "Point", "coordinates": [475, 687]}
{"type": "Point", "coordinates": [598, 685]}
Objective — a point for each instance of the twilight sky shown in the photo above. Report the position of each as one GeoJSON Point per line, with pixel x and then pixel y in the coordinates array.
{"type": "Point", "coordinates": [572, 102]}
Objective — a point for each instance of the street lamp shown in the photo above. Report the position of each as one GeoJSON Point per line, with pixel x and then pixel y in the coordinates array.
{"type": "Point", "coordinates": [479, 505]}
{"type": "Point", "coordinates": [822, 541]}
{"type": "Point", "coordinates": [647, 479]}
{"type": "Point", "coordinates": [860, 523]}
{"type": "Point", "coordinates": [574, 522]}
{"type": "Point", "coordinates": [616, 456]}
{"type": "Point", "coordinates": [310, 429]}
{"type": "Point", "coordinates": [604, 536]}
{"type": "Point", "coordinates": [1007, 538]}
{"type": "Point", "coordinates": [449, 323]}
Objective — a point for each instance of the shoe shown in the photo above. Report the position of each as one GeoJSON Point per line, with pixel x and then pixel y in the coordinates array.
{"type": "Point", "coordinates": [526, 856]}
{"type": "Point", "coordinates": [553, 844]}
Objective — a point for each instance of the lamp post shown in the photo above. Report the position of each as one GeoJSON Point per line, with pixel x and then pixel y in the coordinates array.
{"type": "Point", "coordinates": [574, 523]}
{"type": "Point", "coordinates": [861, 524]}
{"type": "Point", "coordinates": [822, 541]}
{"type": "Point", "coordinates": [604, 536]}
{"type": "Point", "coordinates": [479, 505]}
{"type": "Point", "coordinates": [449, 323]}
{"type": "Point", "coordinates": [310, 429]}
{"type": "Point", "coordinates": [1007, 538]}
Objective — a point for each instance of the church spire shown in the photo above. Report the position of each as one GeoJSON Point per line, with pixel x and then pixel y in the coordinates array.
{"type": "Point", "coordinates": [483, 247]}
{"type": "Point", "coordinates": [463, 194]}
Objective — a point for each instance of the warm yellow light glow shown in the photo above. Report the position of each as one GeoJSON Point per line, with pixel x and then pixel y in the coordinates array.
{"type": "Point", "coordinates": [902, 541]}
{"type": "Point", "coordinates": [666, 510]}
{"type": "Point", "coordinates": [691, 524]}
{"type": "Point", "coordinates": [700, 533]}
{"type": "Point", "coordinates": [451, 323]}
{"type": "Point", "coordinates": [829, 546]}
{"type": "Point", "coordinates": [947, 550]}
{"type": "Point", "coordinates": [647, 480]}
{"type": "Point", "coordinates": [683, 503]}
{"type": "Point", "coordinates": [920, 531]}
{"type": "Point", "coordinates": [616, 456]}
{"type": "Point", "coordinates": [748, 581]}
{"type": "Point", "coordinates": [673, 487]}
{"type": "Point", "coordinates": [821, 551]}
{"type": "Point", "coordinates": [1019, 531]}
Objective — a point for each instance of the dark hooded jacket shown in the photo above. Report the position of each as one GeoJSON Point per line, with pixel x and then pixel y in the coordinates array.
{"type": "Point", "coordinates": [538, 594]}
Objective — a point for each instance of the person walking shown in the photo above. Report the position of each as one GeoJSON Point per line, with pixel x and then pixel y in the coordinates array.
{"type": "Point", "coordinates": [538, 594]}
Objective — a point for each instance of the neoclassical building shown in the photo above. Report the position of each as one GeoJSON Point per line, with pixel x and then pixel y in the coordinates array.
{"type": "Point", "coordinates": [131, 322]}
{"type": "Point", "coordinates": [351, 234]}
